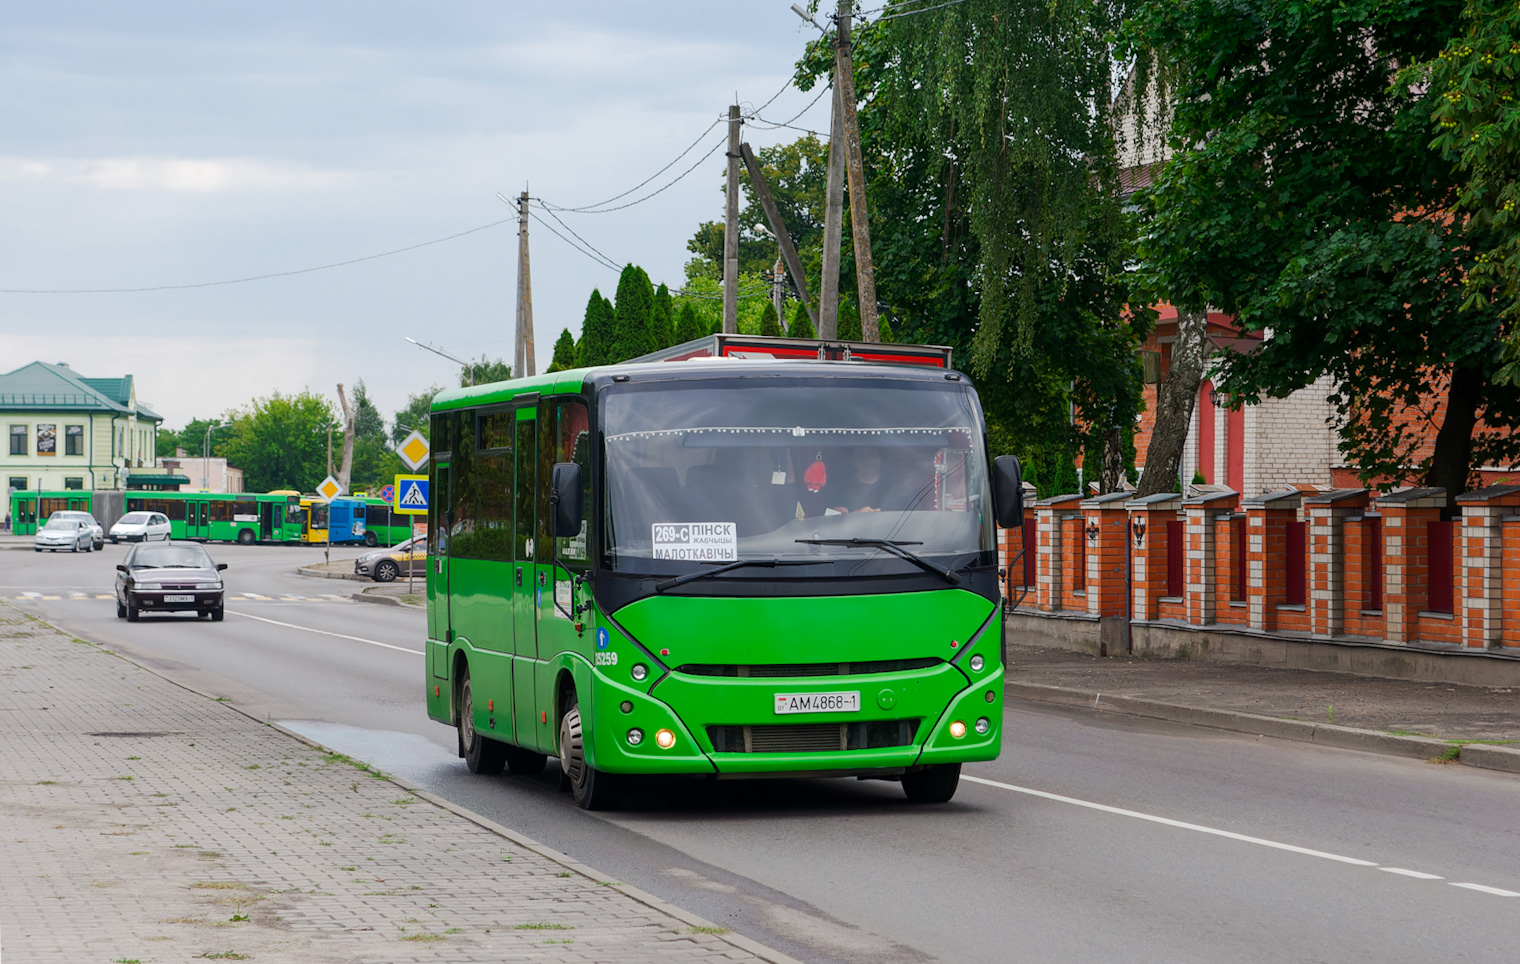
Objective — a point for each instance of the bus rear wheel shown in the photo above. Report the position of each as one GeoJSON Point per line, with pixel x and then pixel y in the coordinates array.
{"type": "Point", "coordinates": [371, 540]}
{"type": "Point", "coordinates": [932, 784]}
{"type": "Point", "coordinates": [245, 537]}
{"type": "Point", "coordinates": [481, 754]}
{"type": "Point", "coordinates": [592, 788]}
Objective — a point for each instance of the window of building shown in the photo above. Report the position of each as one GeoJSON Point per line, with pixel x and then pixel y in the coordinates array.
{"type": "Point", "coordinates": [73, 483]}
{"type": "Point", "coordinates": [17, 483]}
{"type": "Point", "coordinates": [18, 439]}
{"type": "Point", "coordinates": [73, 440]}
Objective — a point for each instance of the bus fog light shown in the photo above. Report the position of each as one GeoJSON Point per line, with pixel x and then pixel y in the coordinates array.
{"type": "Point", "coordinates": [957, 729]}
{"type": "Point", "coordinates": [665, 739]}
{"type": "Point", "coordinates": [976, 664]}
{"type": "Point", "coordinates": [983, 725]}
{"type": "Point", "coordinates": [991, 696]}
{"type": "Point", "coordinates": [640, 672]}
{"type": "Point", "coordinates": [626, 706]}
{"type": "Point", "coordinates": [635, 736]}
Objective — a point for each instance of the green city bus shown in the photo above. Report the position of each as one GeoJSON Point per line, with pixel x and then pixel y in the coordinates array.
{"type": "Point", "coordinates": [382, 527]}
{"type": "Point", "coordinates": [245, 517]}
{"type": "Point", "coordinates": [30, 509]}
{"type": "Point", "coordinates": [718, 569]}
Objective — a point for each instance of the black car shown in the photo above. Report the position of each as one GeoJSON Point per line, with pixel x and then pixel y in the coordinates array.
{"type": "Point", "coordinates": [169, 577]}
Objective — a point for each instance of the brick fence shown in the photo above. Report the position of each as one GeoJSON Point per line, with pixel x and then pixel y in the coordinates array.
{"type": "Point", "coordinates": [1344, 565]}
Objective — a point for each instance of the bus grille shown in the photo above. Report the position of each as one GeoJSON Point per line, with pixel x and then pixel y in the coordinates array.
{"type": "Point", "coordinates": [780, 670]}
{"type": "Point", "coordinates": [812, 737]}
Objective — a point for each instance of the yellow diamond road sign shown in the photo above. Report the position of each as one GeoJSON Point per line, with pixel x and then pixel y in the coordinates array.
{"type": "Point", "coordinates": [413, 451]}
{"type": "Point", "coordinates": [329, 489]}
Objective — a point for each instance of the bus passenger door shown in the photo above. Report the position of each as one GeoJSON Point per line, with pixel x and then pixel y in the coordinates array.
{"type": "Point", "coordinates": [196, 526]}
{"type": "Point", "coordinates": [437, 572]}
{"type": "Point", "coordinates": [266, 521]}
{"type": "Point", "coordinates": [526, 591]}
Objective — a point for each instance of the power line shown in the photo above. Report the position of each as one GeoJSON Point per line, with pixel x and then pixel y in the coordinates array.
{"type": "Point", "coordinates": [659, 190]}
{"type": "Point", "coordinates": [587, 208]}
{"type": "Point", "coordinates": [890, 15]}
{"type": "Point", "coordinates": [238, 281]}
{"type": "Point", "coordinates": [825, 88]}
{"type": "Point", "coordinates": [594, 257]}
{"type": "Point", "coordinates": [582, 240]}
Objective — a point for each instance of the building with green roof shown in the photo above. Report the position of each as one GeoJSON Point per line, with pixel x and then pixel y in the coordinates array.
{"type": "Point", "coordinates": [64, 431]}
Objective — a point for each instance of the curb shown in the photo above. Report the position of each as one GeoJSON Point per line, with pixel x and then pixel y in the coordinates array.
{"type": "Point", "coordinates": [649, 900]}
{"type": "Point", "coordinates": [364, 595]}
{"type": "Point", "coordinates": [316, 573]}
{"type": "Point", "coordinates": [1486, 756]}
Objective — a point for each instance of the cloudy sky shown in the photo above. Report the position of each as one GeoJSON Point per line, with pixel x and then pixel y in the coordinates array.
{"type": "Point", "coordinates": [160, 144]}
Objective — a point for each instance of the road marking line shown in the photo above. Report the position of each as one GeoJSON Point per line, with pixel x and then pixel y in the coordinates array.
{"type": "Point", "coordinates": [1480, 888]}
{"type": "Point", "coordinates": [323, 632]}
{"type": "Point", "coordinates": [1418, 875]}
{"type": "Point", "coordinates": [1168, 822]}
{"type": "Point", "coordinates": [105, 596]}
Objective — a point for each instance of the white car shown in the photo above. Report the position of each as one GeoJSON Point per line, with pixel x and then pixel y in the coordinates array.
{"type": "Point", "coordinates": [96, 529]}
{"type": "Point", "coordinates": [68, 534]}
{"type": "Point", "coordinates": [141, 527]}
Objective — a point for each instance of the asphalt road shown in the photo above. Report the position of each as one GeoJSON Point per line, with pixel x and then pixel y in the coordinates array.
{"type": "Point", "coordinates": [1091, 839]}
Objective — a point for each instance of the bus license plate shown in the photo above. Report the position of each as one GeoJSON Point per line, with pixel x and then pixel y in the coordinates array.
{"type": "Point", "coordinates": [818, 702]}
{"type": "Point", "coordinates": [179, 599]}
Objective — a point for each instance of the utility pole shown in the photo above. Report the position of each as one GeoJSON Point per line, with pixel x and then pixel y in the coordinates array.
{"type": "Point", "coordinates": [778, 290]}
{"type": "Point", "coordinates": [731, 229]}
{"type": "Point", "coordinates": [522, 362]}
{"type": "Point", "coordinates": [779, 232]}
{"type": "Point", "coordinates": [844, 84]}
{"type": "Point", "coordinates": [833, 220]}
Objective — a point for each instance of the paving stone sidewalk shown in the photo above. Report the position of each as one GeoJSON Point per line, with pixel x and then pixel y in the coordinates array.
{"type": "Point", "coordinates": [142, 822]}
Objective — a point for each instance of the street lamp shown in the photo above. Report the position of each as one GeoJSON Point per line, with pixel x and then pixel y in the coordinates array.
{"type": "Point", "coordinates": [469, 369]}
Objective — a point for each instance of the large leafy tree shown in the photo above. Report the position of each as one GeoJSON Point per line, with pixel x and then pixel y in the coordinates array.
{"type": "Point", "coordinates": [280, 442]}
{"type": "Point", "coordinates": [1304, 198]}
{"type": "Point", "coordinates": [997, 222]}
{"type": "Point", "coordinates": [484, 371]}
{"type": "Point", "coordinates": [414, 415]}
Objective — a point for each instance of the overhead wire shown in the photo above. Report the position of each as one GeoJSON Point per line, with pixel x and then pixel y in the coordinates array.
{"type": "Point", "coordinates": [586, 208]}
{"type": "Point", "coordinates": [889, 13]}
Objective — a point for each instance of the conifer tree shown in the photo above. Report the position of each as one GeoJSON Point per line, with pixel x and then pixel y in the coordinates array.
{"type": "Point", "coordinates": [664, 318]}
{"type": "Point", "coordinates": [564, 352]}
{"type": "Point", "coordinates": [802, 325]}
{"type": "Point", "coordinates": [597, 332]}
{"type": "Point", "coordinates": [770, 323]}
{"type": "Point", "coordinates": [849, 323]}
{"type": "Point", "coordinates": [688, 328]}
{"type": "Point", "coordinates": [634, 315]}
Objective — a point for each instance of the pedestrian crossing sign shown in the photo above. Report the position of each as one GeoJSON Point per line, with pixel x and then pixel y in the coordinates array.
{"type": "Point", "coordinates": [410, 495]}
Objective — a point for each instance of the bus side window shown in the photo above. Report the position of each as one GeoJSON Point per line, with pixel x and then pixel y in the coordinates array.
{"type": "Point", "coordinates": [573, 444]}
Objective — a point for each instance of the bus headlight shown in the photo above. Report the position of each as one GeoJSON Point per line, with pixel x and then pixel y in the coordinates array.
{"type": "Point", "coordinates": [983, 725]}
{"type": "Point", "coordinates": [640, 672]}
{"type": "Point", "coordinates": [635, 736]}
{"type": "Point", "coordinates": [957, 729]}
{"type": "Point", "coordinates": [665, 738]}
{"type": "Point", "coordinates": [977, 663]}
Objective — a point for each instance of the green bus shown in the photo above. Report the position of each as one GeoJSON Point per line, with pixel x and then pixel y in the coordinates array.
{"type": "Point", "coordinates": [718, 569]}
{"type": "Point", "coordinates": [30, 509]}
{"type": "Point", "coordinates": [243, 517]}
{"type": "Point", "coordinates": [382, 527]}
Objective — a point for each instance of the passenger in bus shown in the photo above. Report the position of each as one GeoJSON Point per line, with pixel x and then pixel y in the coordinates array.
{"type": "Point", "coordinates": [881, 479]}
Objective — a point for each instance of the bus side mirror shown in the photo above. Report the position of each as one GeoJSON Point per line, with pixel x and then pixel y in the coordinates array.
{"type": "Point", "coordinates": [1008, 491]}
{"type": "Point", "coordinates": [565, 498]}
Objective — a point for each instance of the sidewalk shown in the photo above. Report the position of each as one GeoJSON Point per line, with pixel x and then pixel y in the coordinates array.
{"type": "Point", "coordinates": [1465, 724]}
{"type": "Point", "coordinates": [145, 822]}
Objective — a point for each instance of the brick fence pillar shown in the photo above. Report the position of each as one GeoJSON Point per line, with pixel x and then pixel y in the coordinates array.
{"type": "Point", "coordinates": [1510, 606]}
{"type": "Point", "coordinates": [1479, 563]}
{"type": "Point", "coordinates": [1106, 532]}
{"type": "Point", "coordinates": [1267, 518]}
{"type": "Point", "coordinates": [1406, 513]}
{"type": "Point", "coordinates": [1147, 539]}
{"type": "Point", "coordinates": [1049, 548]}
{"type": "Point", "coordinates": [1199, 587]}
{"type": "Point", "coordinates": [1327, 514]}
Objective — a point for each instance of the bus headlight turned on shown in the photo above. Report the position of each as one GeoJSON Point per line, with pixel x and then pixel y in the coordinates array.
{"type": "Point", "coordinates": [957, 729]}
{"type": "Point", "coordinates": [665, 738]}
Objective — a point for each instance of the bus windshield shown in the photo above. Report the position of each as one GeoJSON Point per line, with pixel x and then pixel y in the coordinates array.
{"type": "Point", "coordinates": [716, 471]}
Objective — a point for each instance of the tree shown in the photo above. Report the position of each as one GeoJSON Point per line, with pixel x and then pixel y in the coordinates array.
{"type": "Point", "coordinates": [687, 326]}
{"type": "Point", "coordinates": [346, 462]}
{"type": "Point", "coordinates": [564, 352]}
{"type": "Point", "coordinates": [770, 322]}
{"type": "Point", "coordinates": [484, 372]}
{"type": "Point", "coordinates": [662, 325]}
{"type": "Point", "coordinates": [280, 442]}
{"type": "Point", "coordinates": [1477, 120]}
{"type": "Point", "coordinates": [597, 332]}
{"type": "Point", "coordinates": [414, 416]}
{"type": "Point", "coordinates": [1304, 199]}
{"type": "Point", "coordinates": [368, 422]}
{"type": "Point", "coordinates": [998, 225]}
{"type": "Point", "coordinates": [802, 325]}
{"type": "Point", "coordinates": [633, 326]}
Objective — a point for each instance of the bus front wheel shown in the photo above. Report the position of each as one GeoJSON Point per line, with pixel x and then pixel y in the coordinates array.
{"type": "Point", "coordinates": [932, 784]}
{"type": "Point", "coordinates": [482, 754]}
{"type": "Point", "coordinates": [592, 788]}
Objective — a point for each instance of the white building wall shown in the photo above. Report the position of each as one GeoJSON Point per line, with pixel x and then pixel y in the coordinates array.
{"type": "Point", "coordinates": [1289, 441]}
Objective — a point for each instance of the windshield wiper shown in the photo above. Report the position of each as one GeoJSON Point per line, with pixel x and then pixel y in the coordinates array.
{"type": "Point", "coordinates": [895, 548]}
{"type": "Point", "coordinates": [742, 563]}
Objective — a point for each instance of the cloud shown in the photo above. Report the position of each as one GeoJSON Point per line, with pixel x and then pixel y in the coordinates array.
{"type": "Point", "coordinates": [181, 175]}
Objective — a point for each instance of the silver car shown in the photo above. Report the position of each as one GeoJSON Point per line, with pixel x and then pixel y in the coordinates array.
{"type": "Point", "coordinates": [70, 534]}
{"type": "Point", "coordinates": [141, 527]}
{"type": "Point", "coordinates": [384, 565]}
{"type": "Point", "coordinates": [97, 531]}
